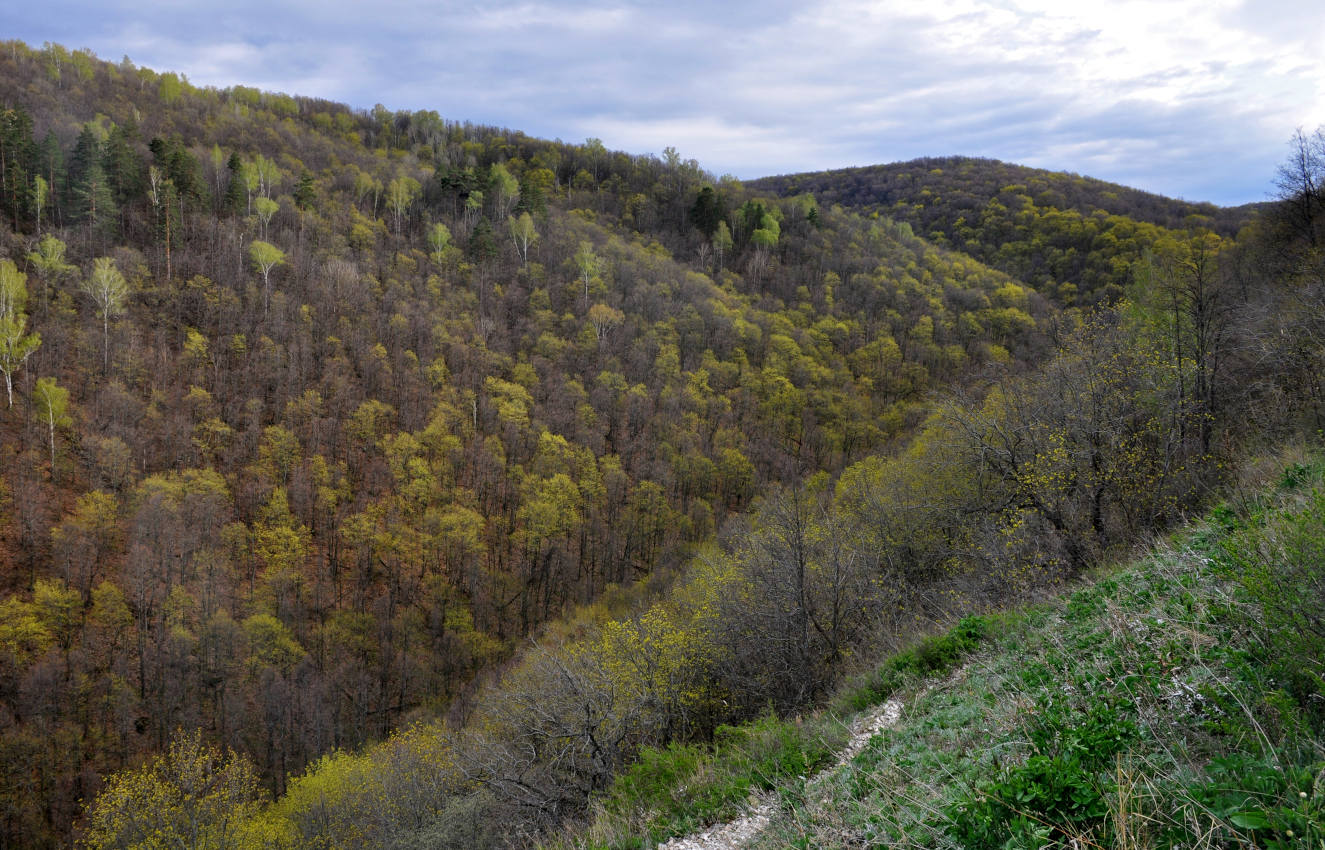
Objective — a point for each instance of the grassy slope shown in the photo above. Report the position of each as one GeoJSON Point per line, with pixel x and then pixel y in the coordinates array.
{"type": "Point", "coordinates": [1173, 702]}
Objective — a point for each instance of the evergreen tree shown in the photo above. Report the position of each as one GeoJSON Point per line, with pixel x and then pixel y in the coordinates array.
{"type": "Point", "coordinates": [235, 194]}
{"type": "Point", "coordinates": [16, 154]}
{"type": "Point", "coordinates": [91, 198]}
{"type": "Point", "coordinates": [48, 161]}
{"type": "Point", "coordinates": [123, 167]}
{"type": "Point", "coordinates": [708, 211]}
{"type": "Point", "coordinates": [181, 167]}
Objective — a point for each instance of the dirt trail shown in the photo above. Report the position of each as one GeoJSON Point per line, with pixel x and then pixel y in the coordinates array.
{"type": "Point", "coordinates": [734, 835]}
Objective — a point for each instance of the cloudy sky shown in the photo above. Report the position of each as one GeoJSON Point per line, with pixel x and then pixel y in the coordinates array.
{"type": "Point", "coordinates": [1190, 98]}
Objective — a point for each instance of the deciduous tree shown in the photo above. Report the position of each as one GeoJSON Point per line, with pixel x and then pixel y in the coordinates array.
{"type": "Point", "coordinates": [523, 234]}
{"type": "Point", "coordinates": [49, 260]}
{"type": "Point", "coordinates": [16, 344]}
{"type": "Point", "coordinates": [107, 287]}
{"type": "Point", "coordinates": [194, 797]}
{"type": "Point", "coordinates": [52, 403]}
{"type": "Point", "coordinates": [400, 194]}
{"type": "Point", "coordinates": [266, 257]}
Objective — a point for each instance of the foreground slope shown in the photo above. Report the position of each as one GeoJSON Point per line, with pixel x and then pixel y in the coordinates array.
{"type": "Point", "coordinates": [1173, 702]}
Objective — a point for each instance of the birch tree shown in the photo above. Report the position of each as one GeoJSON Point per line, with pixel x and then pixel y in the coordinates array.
{"type": "Point", "coordinates": [16, 344]}
{"type": "Point", "coordinates": [266, 257]}
{"type": "Point", "coordinates": [52, 403]}
{"type": "Point", "coordinates": [400, 193]}
{"type": "Point", "coordinates": [49, 260]}
{"type": "Point", "coordinates": [107, 287]}
{"type": "Point", "coordinates": [523, 234]}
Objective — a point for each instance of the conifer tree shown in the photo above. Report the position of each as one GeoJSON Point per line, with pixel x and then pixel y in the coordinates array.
{"type": "Point", "coordinates": [91, 199]}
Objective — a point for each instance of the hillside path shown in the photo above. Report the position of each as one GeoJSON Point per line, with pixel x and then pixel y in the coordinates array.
{"type": "Point", "coordinates": [736, 834]}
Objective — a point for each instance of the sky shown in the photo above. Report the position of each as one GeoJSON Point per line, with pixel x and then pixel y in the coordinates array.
{"type": "Point", "coordinates": [1195, 99]}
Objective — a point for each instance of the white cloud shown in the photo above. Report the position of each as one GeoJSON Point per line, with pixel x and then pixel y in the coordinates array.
{"type": "Point", "coordinates": [1188, 97]}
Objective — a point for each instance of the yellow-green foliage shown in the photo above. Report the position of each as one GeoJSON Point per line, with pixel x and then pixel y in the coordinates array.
{"type": "Point", "coordinates": [23, 634]}
{"type": "Point", "coordinates": [353, 800]}
{"type": "Point", "coordinates": [665, 657]}
{"type": "Point", "coordinates": [193, 797]}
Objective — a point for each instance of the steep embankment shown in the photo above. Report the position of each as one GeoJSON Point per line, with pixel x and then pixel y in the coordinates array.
{"type": "Point", "coordinates": [1173, 702]}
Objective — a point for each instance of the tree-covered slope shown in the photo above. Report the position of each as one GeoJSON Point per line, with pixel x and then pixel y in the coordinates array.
{"type": "Point", "coordinates": [318, 414]}
{"type": "Point", "coordinates": [402, 480]}
{"type": "Point", "coordinates": [1074, 238]}
{"type": "Point", "coordinates": [630, 721]}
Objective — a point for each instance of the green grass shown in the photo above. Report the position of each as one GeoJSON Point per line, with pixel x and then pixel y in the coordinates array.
{"type": "Point", "coordinates": [1174, 703]}
{"type": "Point", "coordinates": [1177, 702]}
{"type": "Point", "coordinates": [931, 656]}
{"type": "Point", "coordinates": [674, 790]}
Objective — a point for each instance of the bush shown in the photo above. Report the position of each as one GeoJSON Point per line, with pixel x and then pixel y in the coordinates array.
{"type": "Point", "coordinates": [1280, 569]}
{"type": "Point", "coordinates": [677, 788]}
{"type": "Point", "coordinates": [1059, 792]}
{"type": "Point", "coordinates": [932, 656]}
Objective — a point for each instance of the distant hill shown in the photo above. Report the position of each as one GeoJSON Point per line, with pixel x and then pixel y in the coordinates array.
{"type": "Point", "coordinates": [1074, 238]}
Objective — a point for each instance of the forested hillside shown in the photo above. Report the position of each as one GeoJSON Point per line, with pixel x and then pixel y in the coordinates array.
{"type": "Point", "coordinates": [317, 414]}
{"type": "Point", "coordinates": [376, 479]}
{"type": "Point", "coordinates": [1075, 239]}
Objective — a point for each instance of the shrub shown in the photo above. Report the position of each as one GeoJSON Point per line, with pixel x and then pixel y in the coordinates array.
{"type": "Point", "coordinates": [932, 656]}
{"type": "Point", "coordinates": [1280, 569]}
{"type": "Point", "coordinates": [676, 788]}
{"type": "Point", "coordinates": [1059, 792]}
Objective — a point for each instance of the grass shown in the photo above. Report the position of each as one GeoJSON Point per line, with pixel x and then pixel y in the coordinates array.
{"type": "Point", "coordinates": [675, 790]}
{"type": "Point", "coordinates": [1174, 703]}
{"type": "Point", "coordinates": [1177, 702]}
{"type": "Point", "coordinates": [931, 656]}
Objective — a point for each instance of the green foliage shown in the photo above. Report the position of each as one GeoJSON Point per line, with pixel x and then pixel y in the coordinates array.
{"type": "Point", "coordinates": [16, 344]}
{"type": "Point", "coordinates": [377, 798]}
{"type": "Point", "coordinates": [672, 790]}
{"type": "Point", "coordinates": [401, 193]}
{"type": "Point", "coordinates": [932, 656]}
{"type": "Point", "coordinates": [1277, 805]}
{"type": "Point", "coordinates": [194, 797]}
{"type": "Point", "coordinates": [23, 634]}
{"type": "Point", "coordinates": [1279, 564]}
{"type": "Point", "coordinates": [265, 256]}
{"type": "Point", "coordinates": [1060, 791]}
{"type": "Point", "coordinates": [52, 402]}
{"type": "Point", "coordinates": [108, 289]}
{"type": "Point", "coordinates": [50, 263]}
{"type": "Point", "coordinates": [13, 289]}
